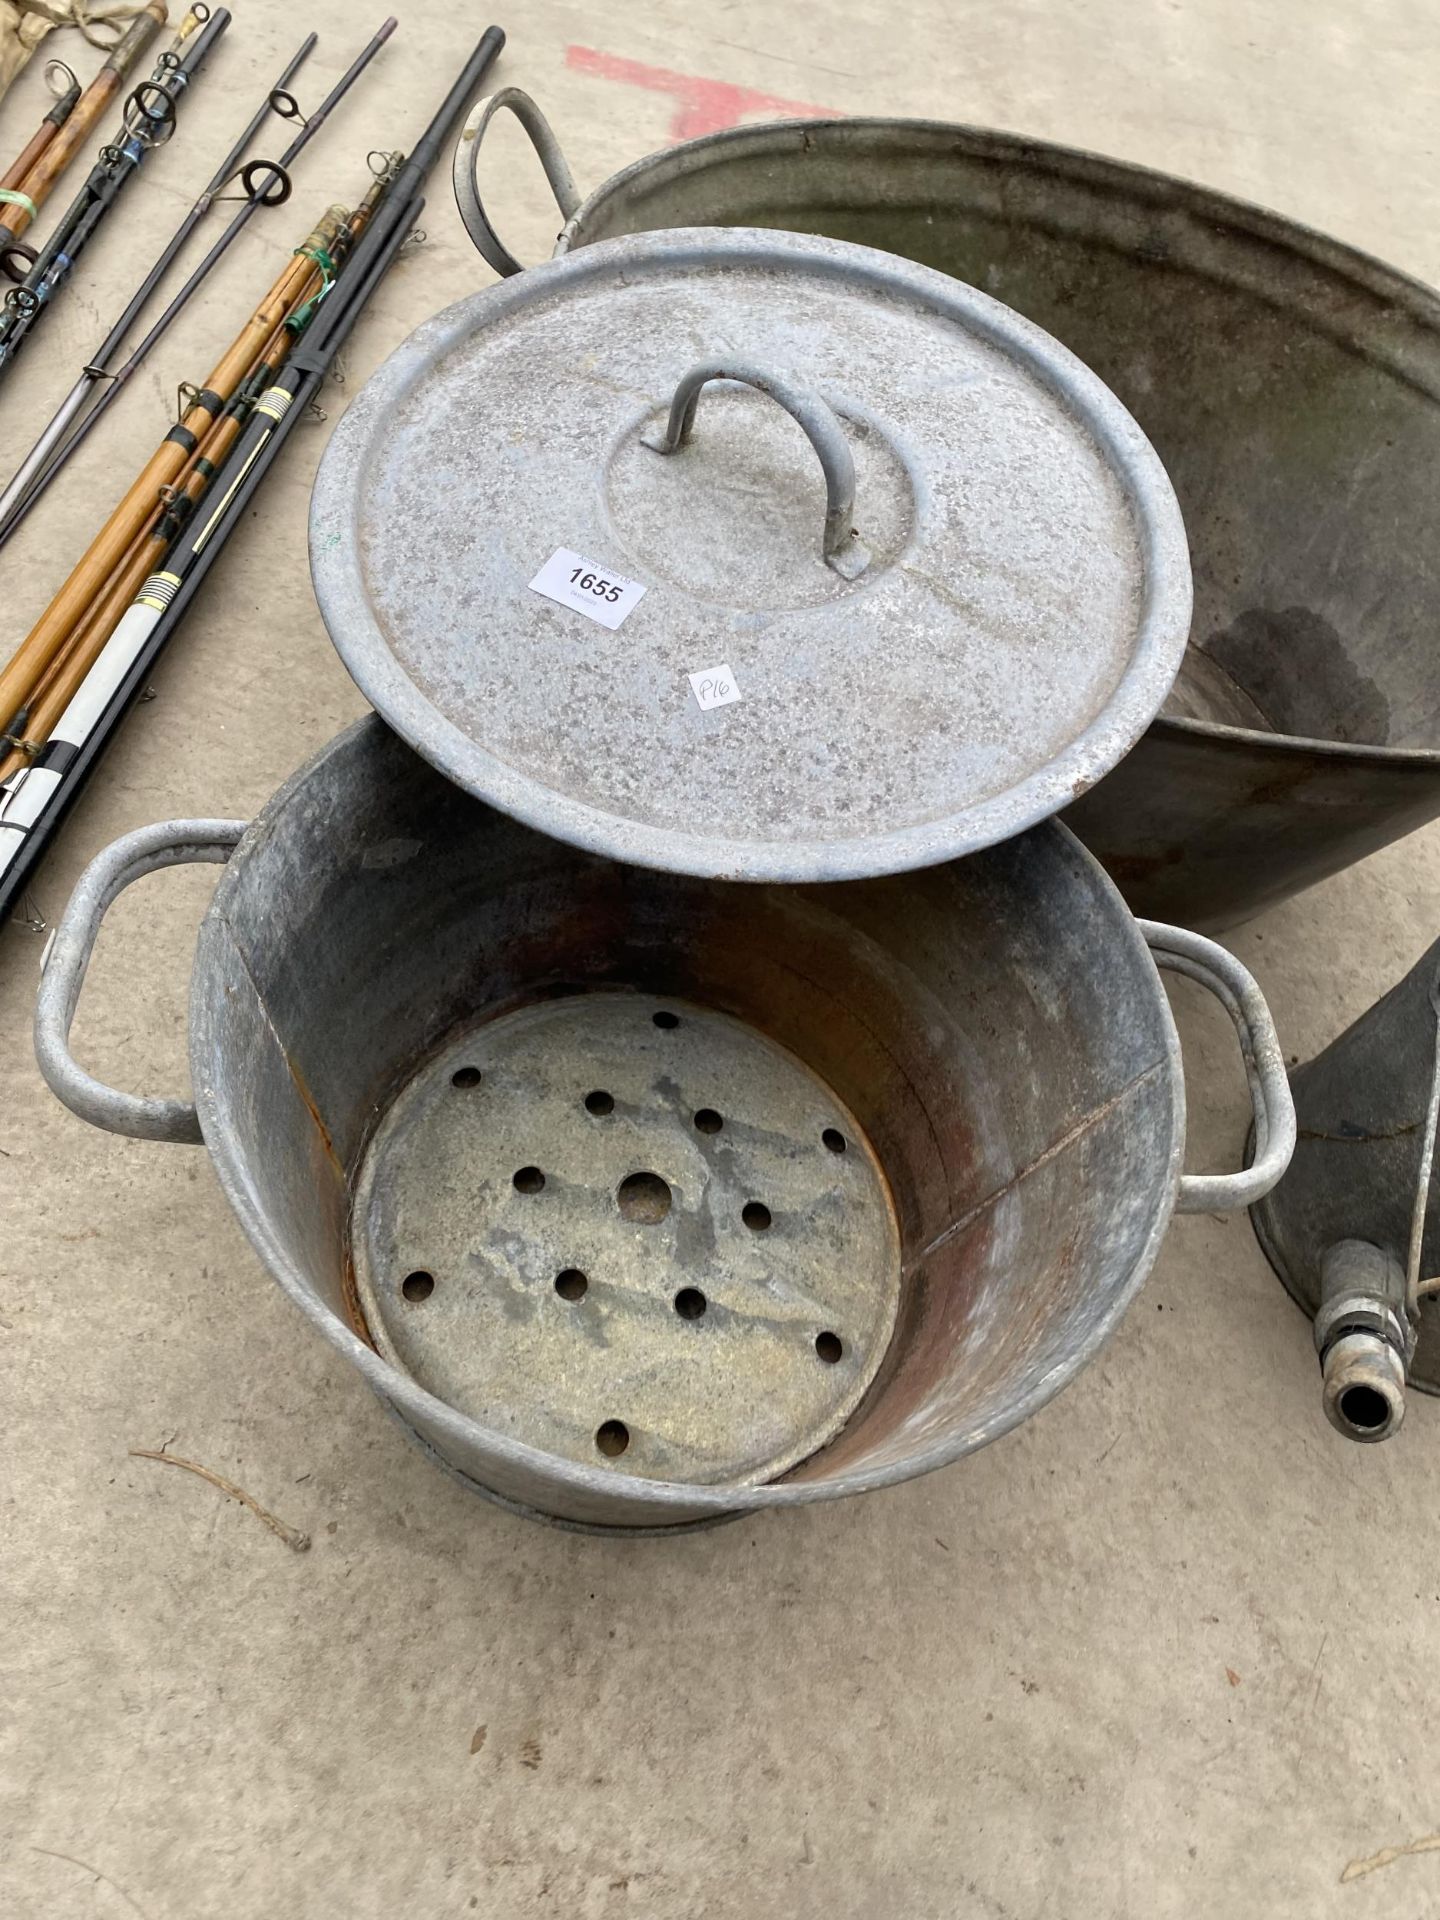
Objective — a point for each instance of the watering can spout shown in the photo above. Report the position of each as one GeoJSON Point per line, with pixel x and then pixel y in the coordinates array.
{"type": "Point", "coordinates": [1364, 1387]}
{"type": "Point", "coordinates": [1364, 1338]}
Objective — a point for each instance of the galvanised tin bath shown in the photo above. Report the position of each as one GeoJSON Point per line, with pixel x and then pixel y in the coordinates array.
{"type": "Point", "coordinates": [1291, 386]}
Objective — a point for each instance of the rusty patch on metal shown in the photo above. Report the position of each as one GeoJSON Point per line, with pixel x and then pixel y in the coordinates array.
{"type": "Point", "coordinates": [350, 1294]}
{"type": "Point", "coordinates": [308, 1101]}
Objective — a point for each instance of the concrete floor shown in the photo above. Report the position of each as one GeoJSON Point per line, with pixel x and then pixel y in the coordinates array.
{"type": "Point", "coordinates": [1161, 1652]}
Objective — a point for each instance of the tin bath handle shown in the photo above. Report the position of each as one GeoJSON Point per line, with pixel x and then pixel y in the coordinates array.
{"type": "Point", "coordinates": [171, 843]}
{"type": "Point", "coordinates": [839, 545]}
{"type": "Point", "coordinates": [466, 174]}
{"type": "Point", "coordinates": [1214, 968]}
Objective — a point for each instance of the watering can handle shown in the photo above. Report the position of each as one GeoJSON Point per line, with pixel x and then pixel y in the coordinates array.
{"type": "Point", "coordinates": [467, 175]}
{"type": "Point", "coordinates": [171, 843]}
{"type": "Point", "coordinates": [839, 545]}
{"type": "Point", "coordinates": [1211, 966]}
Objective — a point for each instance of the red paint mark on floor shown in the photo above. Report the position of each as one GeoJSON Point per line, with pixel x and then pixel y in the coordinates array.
{"type": "Point", "coordinates": [702, 106]}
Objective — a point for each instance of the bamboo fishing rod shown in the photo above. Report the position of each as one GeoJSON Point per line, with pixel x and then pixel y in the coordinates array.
{"type": "Point", "coordinates": [73, 688]}
{"type": "Point", "coordinates": [297, 285]}
{"type": "Point", "coordinates": [36, 800]}
{"type": "Point", "coordinates": [66, 672]}
{"type": "Point", "coordinates": [13, 178]}
{"type": "Point", "coordinates": [36, 470]}
{"type": "Point", "coordinates": [54, 696]}
{"type": "Point", "coordinates": [17, 214]}
{"type": "Point", "coordinates": [61, 680]}
{"type": "Point", "coordinates": [268, 185]}
{"type": "Point", "coordinates": [149, 120]}
{"type": "Point", "coordinates": [163, 468]}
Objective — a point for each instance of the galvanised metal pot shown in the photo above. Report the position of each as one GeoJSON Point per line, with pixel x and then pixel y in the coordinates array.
{"type": "Point", "coordinates": [1291, 386]}
{"type": "Point", "coordinates": [646, 1199]}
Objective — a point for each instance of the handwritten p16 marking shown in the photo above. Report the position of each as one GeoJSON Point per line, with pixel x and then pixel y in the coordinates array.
{"type": "Point", "coordinates": [715, 687]}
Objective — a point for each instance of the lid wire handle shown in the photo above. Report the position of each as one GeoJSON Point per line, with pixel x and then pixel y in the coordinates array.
{"type": "Point", "coordinates": [840, 546]}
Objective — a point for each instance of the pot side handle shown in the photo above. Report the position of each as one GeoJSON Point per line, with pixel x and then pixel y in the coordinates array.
{"type": "Point", "coordinates": [466, 172]}
{"type": "Point", "coordinates": [170, 843]}
{"type": "Point", "coordinates": [1212, 967]}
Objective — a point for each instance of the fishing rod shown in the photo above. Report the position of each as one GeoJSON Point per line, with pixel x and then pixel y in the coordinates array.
{"type": "Point", "coordinates": [268, 185]}
{"type": "Point", "coordinates": [77, 692]}
{"type": "Point", "coordinates": [19, 211]}
{"type": "Point", "coordinates": [374, 252]}
{"type": "Point", "coordinates": [33, 812]}
{"type": "Point", "coordinates": [71, 674]}
{"type": "Point", "coordinates": [13, 178]}
{"type": "Point", "coordinates": [51, 633]}
{"type": "Point", "coordinates": [34, 472]}
{"type": "Point", "coordinates": [149, 120]}
{"type": "Point", "coordinates": [77, 684]}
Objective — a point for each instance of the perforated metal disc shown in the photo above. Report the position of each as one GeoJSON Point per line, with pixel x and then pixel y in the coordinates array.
{"type": "Point", "coordinates": [1021, 612]}
{"type": "Point", "coordinates": [632, 1232]}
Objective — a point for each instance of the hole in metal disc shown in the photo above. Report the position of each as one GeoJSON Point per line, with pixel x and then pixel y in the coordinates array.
{"type": "Point", "coordinates": [834, 1139]}
{"type": "Point", "coordinates": [571, 1284]}
{"type": "Point", "coordinates": [418, 1285]}
{"type": "Point", "coordinates": [643, 1198]}
{"type": "Point", "coordinates": [755, 1216]}
{"type": "Point", "coordinates": [613, 1438]}
{"type": "Point", "coordinates": [599, 1102]}
{"type": "Point", "coordinates": [466, 1077]}
{"type": "Point", "coordinates": [529, 1180]}
{"type": "Point", "coordinates": [829, 1347]}
{"type": "Point", "coordinates": [708, 1121]}
{"type": "Point", "coordinates": [690, 1303]}
{"type": "Point", "coordinates": [666, 1020]}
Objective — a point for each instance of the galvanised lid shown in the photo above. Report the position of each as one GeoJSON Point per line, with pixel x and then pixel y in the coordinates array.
{"type": "Point", "coordinates": [752, 555]}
